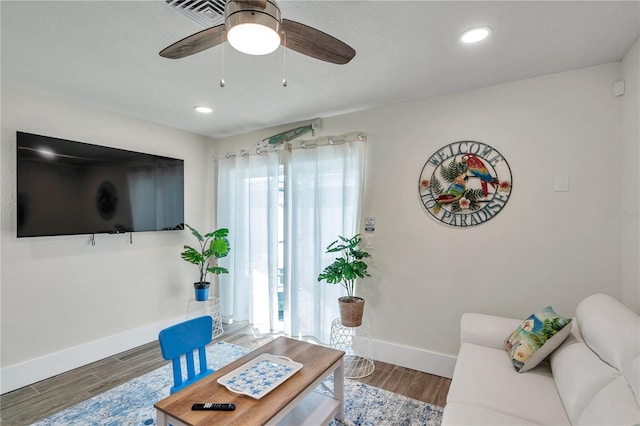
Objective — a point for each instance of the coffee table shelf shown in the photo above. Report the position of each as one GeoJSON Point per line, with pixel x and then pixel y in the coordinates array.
{"type": "Point", "coordinates": [315, 409]}
{"type": "Point", "coordinates": [312, 408]}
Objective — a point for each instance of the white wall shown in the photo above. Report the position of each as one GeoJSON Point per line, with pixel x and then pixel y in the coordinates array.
{"type": "Point", "coordinates": [61, 296]}
{"type": "Point", "coordinates": [544, 248]}
{"type": "Point", "coordinates": [65, 302]}
{"type": "Point", "coordinates": [630, 201]}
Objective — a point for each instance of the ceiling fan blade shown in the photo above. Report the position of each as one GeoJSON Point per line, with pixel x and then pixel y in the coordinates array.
{"type": "Point", "coordinates": [195, 43]}
{"type": "Point", "coordinates": [315, 43]}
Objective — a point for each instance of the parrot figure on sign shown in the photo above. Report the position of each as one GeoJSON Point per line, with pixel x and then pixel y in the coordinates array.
{"type": "Point", "coordinates": [454, 191]}
{"type": "Point", "coordinates": [476, 168]}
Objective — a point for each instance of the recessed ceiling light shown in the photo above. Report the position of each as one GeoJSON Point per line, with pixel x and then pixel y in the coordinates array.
{"type": "Point", "coordinates": [203, 109]}
{"type": "Point", "coordinates": [474, 35]}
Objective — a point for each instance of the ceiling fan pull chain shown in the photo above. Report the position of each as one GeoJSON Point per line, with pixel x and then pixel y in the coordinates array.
{"type": "Point", "coordinates": [284, 59]}
{"type": "Point", "coordinates": [222, 66]}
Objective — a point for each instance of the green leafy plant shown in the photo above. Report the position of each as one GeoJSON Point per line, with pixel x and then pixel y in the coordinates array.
{"type": "Point", "coordinates": [213, 246]}
{"type": "Point", "coordinates": [349, 266]}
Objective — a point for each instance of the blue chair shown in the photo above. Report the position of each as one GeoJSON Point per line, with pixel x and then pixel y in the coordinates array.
{"type": "Point", "coordinates": [184, 339]}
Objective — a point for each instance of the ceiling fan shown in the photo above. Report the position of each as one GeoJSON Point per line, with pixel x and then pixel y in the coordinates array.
{"type": "Point", "coordinates": [255, 27]}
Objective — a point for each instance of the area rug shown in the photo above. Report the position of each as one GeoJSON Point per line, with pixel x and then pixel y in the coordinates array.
{"type": "Point", "coordinates": [131, 404]}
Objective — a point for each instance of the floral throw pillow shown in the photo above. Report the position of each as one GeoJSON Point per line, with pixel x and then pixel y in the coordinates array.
{"type": "Point", "coordinates": [536, 337]}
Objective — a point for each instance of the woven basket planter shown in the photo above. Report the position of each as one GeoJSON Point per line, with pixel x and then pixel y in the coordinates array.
{"type": "Point", "coordinates": [351, 310]}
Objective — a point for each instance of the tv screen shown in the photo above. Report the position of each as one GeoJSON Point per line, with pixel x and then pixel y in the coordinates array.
{"type": "Point", "coordinates": [67, 188]}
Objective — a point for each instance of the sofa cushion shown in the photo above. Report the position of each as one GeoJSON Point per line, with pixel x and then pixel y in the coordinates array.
{"type": "Point", "coordinates": [613, 405]}
{"type": "Point", "coordinates": [596, 371]}
{"type": "Point", "coordinates": [610, 329]}
{"type": "Point", "coordinates": [485, 377]}
{"type": "Point", "coordinates": [535, 338]}
{"type": "Point", "coordinates": [459, 413]}
{"type": "Point", "coordinates": [579, 374]}
{"type": "Point", "coordinates": [631, 371]}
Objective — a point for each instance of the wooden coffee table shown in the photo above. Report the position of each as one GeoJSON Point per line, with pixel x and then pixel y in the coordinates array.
{"type": "Point", "coordinates": [294, 402]}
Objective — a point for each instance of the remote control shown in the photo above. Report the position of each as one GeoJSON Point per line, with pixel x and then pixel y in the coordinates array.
{"type": "Point", "coordinates": [213, 406]}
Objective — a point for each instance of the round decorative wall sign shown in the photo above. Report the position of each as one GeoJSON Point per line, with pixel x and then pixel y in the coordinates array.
{"type": "Point", "coordinates": [465, 183]}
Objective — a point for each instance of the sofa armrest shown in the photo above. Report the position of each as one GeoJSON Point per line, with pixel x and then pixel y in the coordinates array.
{"type": "Point", "coordinates": [486, 330]}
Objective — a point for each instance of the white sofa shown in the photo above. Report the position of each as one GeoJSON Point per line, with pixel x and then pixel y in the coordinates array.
{"type": "Point", "coordinates": [592, 378]}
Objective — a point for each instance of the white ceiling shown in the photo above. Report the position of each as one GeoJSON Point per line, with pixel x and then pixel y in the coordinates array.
{"type": "Point", "coordinates": [106, 53]}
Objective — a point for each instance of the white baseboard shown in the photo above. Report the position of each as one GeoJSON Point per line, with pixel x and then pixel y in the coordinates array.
{"type": "Point", "coordinates": [414, 358]}
{"type": "Point", "coordinates": [32, 371]}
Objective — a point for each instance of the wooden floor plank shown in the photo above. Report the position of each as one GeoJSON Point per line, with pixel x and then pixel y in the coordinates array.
{"type": "Point", "coordinates": [67, 383]}
{"type": "Point", "coordinates": [427, 387]}
{"type": "Point", "coordinates": [10, 399]}
{"type": "Point", "coordinates": [397, 380]}
{"type": "Point", "coordinates": [31, 410]}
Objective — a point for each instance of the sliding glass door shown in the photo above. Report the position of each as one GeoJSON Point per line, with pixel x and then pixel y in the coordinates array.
{"type": "Point", "coordinates": [283, 208]}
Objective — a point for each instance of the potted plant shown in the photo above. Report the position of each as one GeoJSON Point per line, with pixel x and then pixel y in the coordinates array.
{"type": "Point", "coordinates": [345, 270]}
{"type": "Point", "coordinates": [213, 246]}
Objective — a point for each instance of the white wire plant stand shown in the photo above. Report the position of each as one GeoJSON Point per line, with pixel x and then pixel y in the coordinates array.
{"type": "Point", "coordinates": [211, 307]}
{"type": "Point", "coordinates": [356, 344]}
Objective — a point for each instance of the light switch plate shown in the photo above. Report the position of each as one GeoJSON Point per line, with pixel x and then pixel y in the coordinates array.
{"type": "Point", "coordinates": [369, 243]}
{"type": "Point", "coordinates": [369, 224]}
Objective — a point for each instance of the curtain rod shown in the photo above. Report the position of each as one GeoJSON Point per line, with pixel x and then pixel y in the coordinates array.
{"type": "Point", "coordinates": [264, 147]}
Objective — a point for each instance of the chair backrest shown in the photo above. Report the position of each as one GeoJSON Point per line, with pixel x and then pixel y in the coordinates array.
{"type": "Point", "coordinates": [184, 339]}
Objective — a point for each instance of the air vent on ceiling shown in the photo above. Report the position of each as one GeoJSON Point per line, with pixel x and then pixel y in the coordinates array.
{"type": "Point", "coordinates": [204, 12]}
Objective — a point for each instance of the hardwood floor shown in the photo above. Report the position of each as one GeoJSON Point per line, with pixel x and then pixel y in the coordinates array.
{"type": "Point", "coordinates": [39, 400]}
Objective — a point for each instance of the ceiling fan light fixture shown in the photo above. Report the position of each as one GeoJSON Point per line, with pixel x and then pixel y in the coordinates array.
{"type": "Point", "coordinates": [253, 39]}
{"type": "Point", "coordinates": [269, 31]}
{"type": "Point", "coordinates": [252, 29]}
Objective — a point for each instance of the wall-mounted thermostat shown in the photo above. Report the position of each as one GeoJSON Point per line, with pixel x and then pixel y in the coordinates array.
{"type": "Point", "coordinates": [369, 224]}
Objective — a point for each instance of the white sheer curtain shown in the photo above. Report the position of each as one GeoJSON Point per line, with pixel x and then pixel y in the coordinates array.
{"type": "Point", "coordinates": [322, 196]}
{"type": "Point", "coordinates": [248, 206]}
{"type": "Point", "coordinates": [324, 191]}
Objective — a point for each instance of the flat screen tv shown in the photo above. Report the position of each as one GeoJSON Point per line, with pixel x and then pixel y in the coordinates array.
{"type": "Point", "coordinates": [67, 188]}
